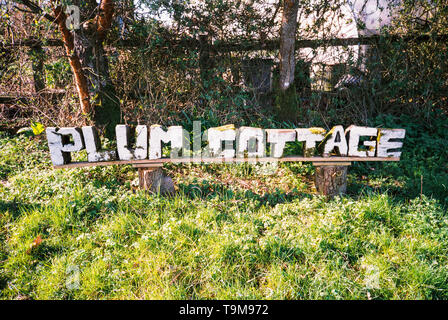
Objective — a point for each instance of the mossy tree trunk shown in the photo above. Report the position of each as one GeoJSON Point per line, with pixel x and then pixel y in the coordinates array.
{"type": "Point", "coordinates": [88, 61]}
{"type": "Point", "coordinates": [88, 46]}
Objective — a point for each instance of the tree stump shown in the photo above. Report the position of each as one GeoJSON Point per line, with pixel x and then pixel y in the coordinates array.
{"type": "Point", "coordinates": [154, 180]}
{"type": "Point", "coordinates": [331, 180]}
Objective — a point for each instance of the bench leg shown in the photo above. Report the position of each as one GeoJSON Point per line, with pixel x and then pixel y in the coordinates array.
{"type": "Point", "coordinates": [153, 179]}
{"type": "Point", "coordinates": [331, 180]}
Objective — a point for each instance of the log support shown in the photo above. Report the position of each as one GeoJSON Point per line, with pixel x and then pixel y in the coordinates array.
{"type": "Point", "coordinates": [153, 179]}
{"type": "Point", "coordinates": [331, 178]}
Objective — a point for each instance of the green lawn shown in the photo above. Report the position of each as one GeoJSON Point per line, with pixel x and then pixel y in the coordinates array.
{"type": "Point", "coordinates": [230, 232]}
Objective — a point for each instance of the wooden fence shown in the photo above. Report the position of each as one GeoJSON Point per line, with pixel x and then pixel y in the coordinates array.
{"type": "Point", "coordinates": [205, 47]}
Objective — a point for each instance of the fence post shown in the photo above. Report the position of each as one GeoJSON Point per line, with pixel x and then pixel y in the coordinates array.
{"type": "Point", "coordinates": [205, 62]}
{"type": "Point", "coordinates": [36, 54]}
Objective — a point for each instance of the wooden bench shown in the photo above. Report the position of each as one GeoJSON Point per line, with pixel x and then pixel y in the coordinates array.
{"type": "Point", "coordinates": [250, 146]}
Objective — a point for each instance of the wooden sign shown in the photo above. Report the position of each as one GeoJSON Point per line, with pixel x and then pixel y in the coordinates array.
{"type": "Point", "coordinates": [224, 144]}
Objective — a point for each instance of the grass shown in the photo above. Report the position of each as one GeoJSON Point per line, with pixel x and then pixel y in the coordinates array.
{"type": "Point", "coordinates": [230, 232]}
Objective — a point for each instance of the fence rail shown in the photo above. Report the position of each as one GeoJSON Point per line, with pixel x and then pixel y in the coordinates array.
{"type": "Point", "coordinates": [229, 46]}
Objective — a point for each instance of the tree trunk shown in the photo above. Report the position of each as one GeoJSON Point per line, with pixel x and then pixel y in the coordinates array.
{"type": "Point", "coordinates": [331, 180]}
{"type": "Point", "coordinates": [287, 43]}
{"type": "Point", "coordinates": [106, 107]}
{"type": "Point", "coordinates": [88, 46]}
{"type": "Point", "coordinates": [154, 180]}
{"type": "Point", "coordinates": [89, 62]}
{"type": "Point", "coordinates": [75, 64]}
{"type": "Point", "coordinates": [286, 100]}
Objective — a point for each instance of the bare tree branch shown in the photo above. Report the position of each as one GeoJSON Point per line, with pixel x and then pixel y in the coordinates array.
{"type": "Point", "coordinates": [35, 9]}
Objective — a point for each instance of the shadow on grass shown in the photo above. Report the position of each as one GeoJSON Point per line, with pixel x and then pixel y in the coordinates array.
{"type": "Point", "coordinates": [16, 208]}
{"type": "Point", "coordinates": [408, 189]}
{"type": "Point", "coordinates": [208, 190]}
{"type": "Point", "coordinates": [404, 190]}
{"type": "Point", "coordinates": [414, 175]}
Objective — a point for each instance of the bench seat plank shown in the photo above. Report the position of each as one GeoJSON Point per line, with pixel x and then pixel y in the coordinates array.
{"type": "Point", "coordinates": [148, 162]}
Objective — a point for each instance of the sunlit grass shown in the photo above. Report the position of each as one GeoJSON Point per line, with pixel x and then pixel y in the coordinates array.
{"type": "Point", "coordinates": [230, 232]}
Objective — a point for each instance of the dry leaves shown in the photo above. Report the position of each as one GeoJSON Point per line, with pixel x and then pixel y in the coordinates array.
{"type": "Point", "coordinates": [35, 244]}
